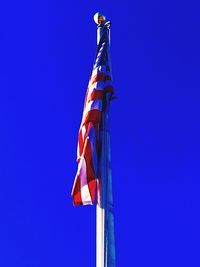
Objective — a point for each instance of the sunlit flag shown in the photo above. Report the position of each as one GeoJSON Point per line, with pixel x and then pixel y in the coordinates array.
{"type": "Point", "coordinates": [89, 139]}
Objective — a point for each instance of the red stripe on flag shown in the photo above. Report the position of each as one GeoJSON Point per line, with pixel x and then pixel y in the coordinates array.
{"type": "Point", "coordinates": [76, 192]}
{"type": "Point", "coordinates": [100, 77]}
{"type": "Point", "coordinates": [80, 142]}
{"type": "Point", "coordinates": [96, 94]}
{"type": "Point", "coordinates": [93, 115]}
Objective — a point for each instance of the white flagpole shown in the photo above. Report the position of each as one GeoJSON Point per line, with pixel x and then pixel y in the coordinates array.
{"type": "Point", "coordinates": [105, 243]}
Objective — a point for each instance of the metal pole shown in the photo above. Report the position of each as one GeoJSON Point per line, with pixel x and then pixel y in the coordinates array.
{"type": "Point", "coordinates": [105, 245]}
{"type": "Point", "coordinates": [100, 208]}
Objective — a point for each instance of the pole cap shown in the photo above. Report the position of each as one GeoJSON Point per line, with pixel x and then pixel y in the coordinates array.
{"type": "Point", "coordinates": [99, 18]}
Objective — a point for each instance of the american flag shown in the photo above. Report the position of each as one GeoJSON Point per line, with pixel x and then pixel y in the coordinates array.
{"type": "Point", "coordinates": [84, 189]}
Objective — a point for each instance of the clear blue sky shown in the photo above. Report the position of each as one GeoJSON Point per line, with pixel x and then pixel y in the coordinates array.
{"type": "Point", "coordinates": [47, 51]}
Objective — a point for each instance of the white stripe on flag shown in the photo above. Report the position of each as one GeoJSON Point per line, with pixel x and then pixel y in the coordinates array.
{"type": "Point", "coordinates": [82, 172]}
{"type": "Point", "coordinates": [100, 85]}
{"type": "Point", "coordinates": [94, 104]}
{"type": "Point", "coordinates": [99, 69]}
{"type": "Point", "coordinates": [85, 195]}
{"type": "Point", "coordinates": [83, 130]}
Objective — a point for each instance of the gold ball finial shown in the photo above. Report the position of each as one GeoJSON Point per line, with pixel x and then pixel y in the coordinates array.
{"type": "Point", "coordinates": [99, 18]}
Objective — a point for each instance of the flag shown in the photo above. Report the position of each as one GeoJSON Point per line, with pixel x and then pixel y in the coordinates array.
{"type": "Point", "coordinates": [88, 174]}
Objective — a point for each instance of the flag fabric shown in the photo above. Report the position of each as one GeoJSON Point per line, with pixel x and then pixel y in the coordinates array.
{"type": "Point", "coordinates": [84, 189]}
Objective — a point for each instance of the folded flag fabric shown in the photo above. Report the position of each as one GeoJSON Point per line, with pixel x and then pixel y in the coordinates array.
{"type": "Point", "coordinates": [84, 189]}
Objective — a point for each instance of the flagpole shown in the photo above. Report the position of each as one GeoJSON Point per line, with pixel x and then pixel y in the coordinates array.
{"type": "Point", "coordinates": [105, 242]}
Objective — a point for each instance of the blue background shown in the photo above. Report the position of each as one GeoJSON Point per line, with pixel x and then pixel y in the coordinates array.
{"type": "Point", "coordinates": [47, 51]}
